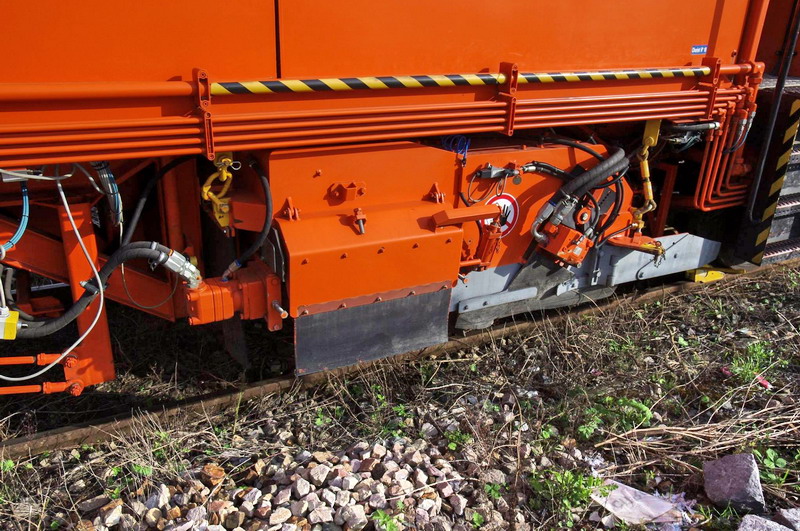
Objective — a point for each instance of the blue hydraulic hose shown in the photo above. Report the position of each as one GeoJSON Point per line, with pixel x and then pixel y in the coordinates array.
{"type": "Point", "coordinates": [23, 220]}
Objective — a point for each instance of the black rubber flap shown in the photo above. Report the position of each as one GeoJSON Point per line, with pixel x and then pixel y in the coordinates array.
{"type": "Point", "coordinates": [345, 337]}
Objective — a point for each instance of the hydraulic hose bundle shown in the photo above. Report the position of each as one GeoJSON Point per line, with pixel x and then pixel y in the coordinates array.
{"type": "Point", "coordinates": [156, 253]}
{"type": "Point", "coordinates": [573, 190]}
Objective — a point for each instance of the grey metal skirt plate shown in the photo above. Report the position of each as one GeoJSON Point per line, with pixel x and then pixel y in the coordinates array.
{"type": "Point", "coordinates": [485, 317]}
{"type": "Point", "coordinates": [346, 337]}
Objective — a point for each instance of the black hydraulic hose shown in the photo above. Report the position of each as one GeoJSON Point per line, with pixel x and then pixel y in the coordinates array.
{"type": "Point", "coordinates": [619, 197]}
{"type": "Point", "coordinates": [147, 250]}
{"type": "Point", "coordinates": [612, 182]}
{"type": "Point", "coordinates": [574, 144]}
{"type": "Point", "coordinates": [549, 169]}
{"type": "Point", "coordinates": [148, 189]}
{"type": "Point", "coordinates": [615, 163]}
{"type": "Point", "coordinates": [264, 234]}
{"type": "Point", "coordinates": [621, 167]}
{"type": "Point", "coordinates": [690, 128]}
{"type": "Point", "coordinates": [7, 282]}
{"type": "Point", "coordinates": [604, 240]}
{"type": "Point", "coordinates": [786, 61]}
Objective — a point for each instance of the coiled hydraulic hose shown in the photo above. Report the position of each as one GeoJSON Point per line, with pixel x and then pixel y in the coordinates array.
{"type": "Point", "coordinates": [148, 189]}
{"type": "Point", "coordinates": [568, 195]}
{"type": "Point", "coordinates": [583, 183]}
{"type": "Point", "coordinates": [264, 234]}
{"type": "Point", "coordinates": [155, 252]}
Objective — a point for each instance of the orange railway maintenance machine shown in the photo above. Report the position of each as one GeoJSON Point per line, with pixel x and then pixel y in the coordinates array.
{"type": "Point", "coordinates": [383, 172]}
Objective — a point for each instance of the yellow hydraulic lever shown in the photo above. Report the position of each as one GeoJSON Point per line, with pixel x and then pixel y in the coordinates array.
{"type": "Point", "coordinates": [650, 138]}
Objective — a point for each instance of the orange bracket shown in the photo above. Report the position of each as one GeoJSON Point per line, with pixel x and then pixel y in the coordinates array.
{"type": "Point", "coordinates": [436, 194]}
{"type": "Point", "coordinates": [639, 242]}
{"type": "Point", "coordinates": [348, 191]}
{"type": "Point", "coordinates": [456, 216]}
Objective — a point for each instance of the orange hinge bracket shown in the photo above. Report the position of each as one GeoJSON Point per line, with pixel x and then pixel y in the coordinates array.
{"type": "Point", "coordinates": [712, 86]}
{"type": "Point", "coordinates": [436, 194]}
{"type": "Point", "coordinates": [508, 94]}
{"type": "Point", "coordinates": [289, 211]}
{"type": "Point", "coordinates": [204, 108]}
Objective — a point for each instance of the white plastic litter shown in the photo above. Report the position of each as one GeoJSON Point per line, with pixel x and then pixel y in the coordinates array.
{"type": "Point", "coordinates": [635, 507]}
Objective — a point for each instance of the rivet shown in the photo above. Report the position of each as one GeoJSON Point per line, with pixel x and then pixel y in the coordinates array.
{"type": "Point", "coordinates": [415, 246]}
{"type": "Point", "coordinates": [304, 312]}
{"type": "Point", "coordinates": [344, 255]}
{"type": "Point", "coordinates": [378, 299]}
{"type": "Point", "coordinates": [412, 292]}
{"type": "Point", "coordinates": [342, 306]}
{"type": "Point", "coordinates": [449, 240]}
{"type": "Point", "coordinates": [305, 261]}
{"type": "Point", "coordinates": [275, 328]}
{"type": "Point", "coordinates": [317, 173]}
{"type": "Point", "coordinates": [381, 250]}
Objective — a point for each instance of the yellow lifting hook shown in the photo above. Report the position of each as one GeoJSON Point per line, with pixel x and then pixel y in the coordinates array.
{"type": "Point", "coordinates": [219, 200]}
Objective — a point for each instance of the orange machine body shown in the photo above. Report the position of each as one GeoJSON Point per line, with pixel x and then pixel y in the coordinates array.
{"type": "Point", "coordinates": [87, 93]}
{"type": "Point", "coordinates": [343, 106]}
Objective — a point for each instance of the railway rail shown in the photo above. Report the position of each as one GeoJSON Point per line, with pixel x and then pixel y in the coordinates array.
{"type": "Point", "coordinates": [106, 429]}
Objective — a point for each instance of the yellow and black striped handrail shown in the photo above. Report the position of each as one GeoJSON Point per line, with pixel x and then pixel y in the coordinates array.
{"type": "Point", "coordinates": [449, 80]}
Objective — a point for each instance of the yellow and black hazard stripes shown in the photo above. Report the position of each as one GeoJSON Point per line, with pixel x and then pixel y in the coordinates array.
{"type": "Point", "coordinates": [355, 83]}
{"type": "Point", "coordinates": [784, 155]}
{"type": "Point", "coordinates": [614, 75]}
{"type": "Point", "coordinates": [449, 80]}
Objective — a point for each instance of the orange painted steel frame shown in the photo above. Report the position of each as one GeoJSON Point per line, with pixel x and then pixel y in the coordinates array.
{"type": "Point", "coordinates": [79, 92]}
{"type": "Point", "coordinates": [127, 98]}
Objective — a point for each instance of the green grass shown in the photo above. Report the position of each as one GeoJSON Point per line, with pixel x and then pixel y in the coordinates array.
{"type": "Point", "coordinates": [614, 413]}
{"type": "Point", "coordinates": [457, 439]}
{"type": "Point", "coordinates": [757, 359]}
{"type": "Point", "coordinates": [386, 521]}
{"type": "Point", "coordinates": [563, 492]}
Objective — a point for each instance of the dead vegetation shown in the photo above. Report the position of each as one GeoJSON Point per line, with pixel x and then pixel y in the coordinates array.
{"type": "Point", "coordinates": [641, 393]}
